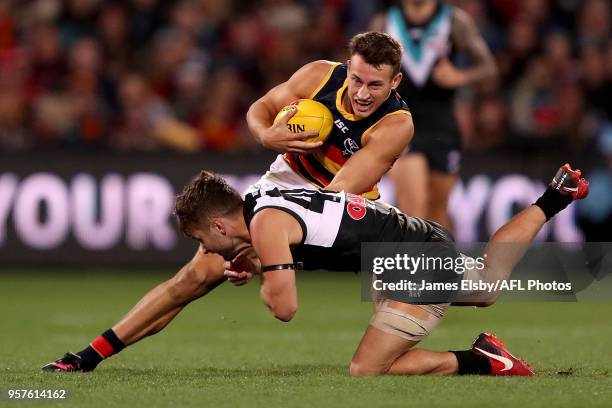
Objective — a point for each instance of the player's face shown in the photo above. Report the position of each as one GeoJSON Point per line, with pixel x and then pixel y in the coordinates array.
{"type": "Point", "coordinates": [369, 86]}
{"type": "Point", "coordinates": [219, 238]}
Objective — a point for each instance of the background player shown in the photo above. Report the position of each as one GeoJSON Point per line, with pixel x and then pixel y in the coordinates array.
{"type": "Point", "coordinates": [431, 33]}
{"type": "Point", "coordinates": [323, 230]}
{"type": "Point", "coordinates": [376, 127]}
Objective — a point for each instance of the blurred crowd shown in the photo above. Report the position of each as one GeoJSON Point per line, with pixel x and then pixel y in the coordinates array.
{"type": "Point", "coordinates": [150, 75]}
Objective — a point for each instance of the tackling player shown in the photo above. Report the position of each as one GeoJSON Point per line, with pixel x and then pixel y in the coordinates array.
{"type": "Point", "coordinates": [372, 127]}
{"type": "Point", "coordinates": [323, 230]}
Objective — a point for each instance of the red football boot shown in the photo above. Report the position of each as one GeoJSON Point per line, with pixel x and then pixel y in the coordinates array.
{"type": "Point", "coordinates": [568, 181]}
{"type": "Point", "coordinates": [70, 362]}
{"type": "Point", "coordinates": [501, 360]}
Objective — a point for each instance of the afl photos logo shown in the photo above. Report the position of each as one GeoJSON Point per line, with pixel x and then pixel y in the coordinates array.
{"type": "Point", "coordinates": [355, 206]}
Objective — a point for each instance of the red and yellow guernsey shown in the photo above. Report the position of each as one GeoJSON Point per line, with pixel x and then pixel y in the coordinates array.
{"type": "Point", "coordinates": [348, 135]}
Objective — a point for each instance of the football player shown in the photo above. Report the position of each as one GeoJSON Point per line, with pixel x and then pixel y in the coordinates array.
{"type": "Point", "coordinates": [324, 230]}
{"type": "Point", "coordinates": [372, 128]}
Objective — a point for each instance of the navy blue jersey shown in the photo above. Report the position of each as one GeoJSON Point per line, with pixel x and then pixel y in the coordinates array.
{"type": "Point", "coordinates": [349, 132]}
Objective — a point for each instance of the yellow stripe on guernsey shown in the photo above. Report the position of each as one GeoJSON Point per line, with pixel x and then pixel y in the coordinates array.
{"type": "Point", "coordinates": [334, 167]}
{"type": "Point", "coordinates": [366, 133]}
{"type": "Point", "coordinates": [324, 80]}
{"type": "Point", "coordinates": [339, 106]}
{"type": "Point", "coordinates": [328, 163]}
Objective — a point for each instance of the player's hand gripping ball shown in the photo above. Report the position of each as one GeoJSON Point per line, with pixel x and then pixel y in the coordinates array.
{"type": "Point", "coordinates": [309, 116]}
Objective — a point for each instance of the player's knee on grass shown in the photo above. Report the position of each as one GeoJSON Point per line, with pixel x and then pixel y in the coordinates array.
{"type": "Point", "coordinates": [358, 369]}
{"type": "Point", "coordinates": [410, 322]}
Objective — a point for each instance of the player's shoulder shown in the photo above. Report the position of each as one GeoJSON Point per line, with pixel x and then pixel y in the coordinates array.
{"type": "Point", "coordinates": [400, 121]}
{"type": "Point", "coordinates": [395, 128]}
{"type": "Point", "coordinates": [311, 75]}
{"type": "Point", "coordinates": [396, 112]}
{"type": "Point", "coordinates": [317, 70]}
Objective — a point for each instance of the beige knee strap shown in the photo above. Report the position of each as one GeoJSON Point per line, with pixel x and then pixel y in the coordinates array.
{"type": "Point", "coordinates": [407, 325]}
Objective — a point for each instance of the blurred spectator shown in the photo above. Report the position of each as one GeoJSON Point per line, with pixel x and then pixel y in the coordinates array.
{"type": "Point", "coordinates": [220, 122]}
{"type": "Point", "coordinates": [48, 63]}
{"type": "Point", "coordinates": [594, 23]}
{"type": "Point", "coordinates": [151, 74]}
{"type": "Point", "coordinates": [597, 79]}
{"type": "Point", "coordinates": [521, 46]}
{"type": "Point", "coordinates": [140, 110]}
{"type": "Point", "coordinates": [87, 88]}
{"type": "Point", "coordinates": [7, 27]}
{"type": "Point", "coordinates": [559, 58]}
{"type": "Point", "coordinates": [13, 98]}
{"type": "Point", "coordinates": [534, 105]}
{"type": "Point", "coordinates": [78, 20]}
{"type": "Point", "coordinates": [114, 37]}
{"type": "Point", "coordinates": [147, 122]}
{"type": "Point", "coordinates": [484, 126]}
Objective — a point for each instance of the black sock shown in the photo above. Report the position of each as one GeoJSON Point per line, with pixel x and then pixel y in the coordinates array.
{"type": "Point", "coordinates": [471, 363]}
{"type": "Point", "coordinates": [100, 348]}
{"type": "Point", "coordinates": [90, 357]}
{"type": "Point", "coordinates": [552, 201]}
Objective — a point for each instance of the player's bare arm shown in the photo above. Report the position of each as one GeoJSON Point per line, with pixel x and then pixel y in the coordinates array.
{"type": "Point", "coordinates": [468, 39]}
{"type": "Point", "coordinates": [383, 145]}
{"type": "Point", "coordinates": [262, 112]}
{"type": "Point", "coordinates": [157, 308]}
{"type": "Point", "coordinates": [272, 233]}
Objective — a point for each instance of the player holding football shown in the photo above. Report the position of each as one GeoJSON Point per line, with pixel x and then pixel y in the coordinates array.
{"type": "Point", "coordinates": [323, 230]}
{"type": "Point", "coordinates": [372, 128]}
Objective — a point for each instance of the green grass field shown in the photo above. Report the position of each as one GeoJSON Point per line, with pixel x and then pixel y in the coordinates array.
{"type": "Point", "coordinates": [226, 350]}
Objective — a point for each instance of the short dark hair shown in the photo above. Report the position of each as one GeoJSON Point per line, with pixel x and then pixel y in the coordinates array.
{"type": "Point", "coordinates": [377, 49]}
{"type": "Point", "coordinates": [207, 196]}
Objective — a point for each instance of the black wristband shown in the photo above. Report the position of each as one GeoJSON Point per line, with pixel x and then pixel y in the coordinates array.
{"type": "Point", "coordinates": [280, 267]}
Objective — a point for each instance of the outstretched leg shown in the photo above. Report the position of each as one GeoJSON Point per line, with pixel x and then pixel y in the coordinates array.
{"type": "Point", "coordinates": [509, 243]}
{"type": "Point", "coordinates": [151, 314]}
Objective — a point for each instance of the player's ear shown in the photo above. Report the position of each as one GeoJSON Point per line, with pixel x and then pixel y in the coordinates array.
{"type": "Point", "coordinates": [396, 80]}
{"type": "Point", "coordinates": [217, 225]}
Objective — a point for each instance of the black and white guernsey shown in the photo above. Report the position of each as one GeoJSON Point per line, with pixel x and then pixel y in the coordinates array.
{"type": "Point", "coordinates": [335, 224]}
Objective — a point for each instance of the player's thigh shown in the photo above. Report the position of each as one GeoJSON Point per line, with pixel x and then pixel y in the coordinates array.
{"type": "Point", "coordinates": [410, 174]}
{"type": "Point", "coordinates": [440, 186]}
{"type": "Point", "coordinates": [394, 329]}
{"type": "Point", "coordinates": [280, 175]}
